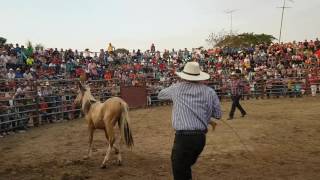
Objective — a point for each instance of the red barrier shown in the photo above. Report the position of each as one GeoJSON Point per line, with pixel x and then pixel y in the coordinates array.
{"type": "Point", "coordinates": [136, 97]}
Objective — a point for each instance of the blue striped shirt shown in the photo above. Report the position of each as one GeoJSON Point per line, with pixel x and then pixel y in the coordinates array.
{"type": "Point", "coordinates": [193, 105]}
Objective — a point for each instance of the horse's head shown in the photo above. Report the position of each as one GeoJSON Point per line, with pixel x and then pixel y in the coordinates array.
{"type": "Point", "coordinates": [84, 93]}
{"type": "Point", "coordinates": [81, 93]}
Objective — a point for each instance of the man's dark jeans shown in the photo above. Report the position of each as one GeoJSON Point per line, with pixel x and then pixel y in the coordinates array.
{"type": "Point", "coordinates": [236, 104]}
{"type": "Point", "coordinates": [185, 152]}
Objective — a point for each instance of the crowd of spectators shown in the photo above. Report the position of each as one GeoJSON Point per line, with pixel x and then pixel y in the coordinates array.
{"type": "Point", "coordinates": [294, 59]}
{"type": "Point", "coordinates": [282, 68]}
{"type": "Point", "coordinates": [278, 63]}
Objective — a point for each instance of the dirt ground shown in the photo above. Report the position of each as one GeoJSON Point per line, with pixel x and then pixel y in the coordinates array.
{"type": "Point", "coordinates": [282, 136]}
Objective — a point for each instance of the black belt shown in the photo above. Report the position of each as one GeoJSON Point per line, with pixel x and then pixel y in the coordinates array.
{"type": "Point", "coordinates": [191, 132]}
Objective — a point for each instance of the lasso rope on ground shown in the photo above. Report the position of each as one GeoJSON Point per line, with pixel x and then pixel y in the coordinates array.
{"type": "Point", "coordinates": [150, 110]}
{"type": "Point", "coordinates": [238, 136]}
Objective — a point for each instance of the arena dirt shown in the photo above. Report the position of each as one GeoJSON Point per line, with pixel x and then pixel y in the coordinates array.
{"type": "Point", "coordinates": [282, 135]}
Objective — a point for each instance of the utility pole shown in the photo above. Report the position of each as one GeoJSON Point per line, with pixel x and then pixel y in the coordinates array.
{"type": "Point", "coordinates": [231, 13]}
{"type": "Point", "coordinates": [283, 8]}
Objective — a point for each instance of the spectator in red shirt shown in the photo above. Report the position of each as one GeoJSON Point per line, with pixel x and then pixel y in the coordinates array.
{"type": "Point", "coordinates": [43, 110]}
{"type": "Point", "coordinates": [79, 72]}
{"type": "Point", "coordinates": [162, 66]}
{"type": "Point", "coordinates": [107, 76]}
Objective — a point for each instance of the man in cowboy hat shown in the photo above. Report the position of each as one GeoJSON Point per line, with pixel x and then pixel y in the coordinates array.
{"type": "Point", "coordinates": [236, 87]}
{"type": "Point", "coordinates": [193, 106]}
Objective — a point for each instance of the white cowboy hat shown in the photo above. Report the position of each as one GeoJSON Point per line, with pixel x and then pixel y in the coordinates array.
{"type": "Point", "coordinates": [192, 72]}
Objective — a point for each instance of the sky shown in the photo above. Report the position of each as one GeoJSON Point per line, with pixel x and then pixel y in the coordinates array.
{"type": "Point", "coordinates": [135, 24]}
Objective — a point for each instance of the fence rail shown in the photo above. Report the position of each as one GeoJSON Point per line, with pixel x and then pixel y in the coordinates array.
{"type": "Point", "coordinates": [51, 101]}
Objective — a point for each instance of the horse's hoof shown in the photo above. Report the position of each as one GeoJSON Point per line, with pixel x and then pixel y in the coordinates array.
{"type": "Point", "coordinates": [119, 163]}
{"type": "Point", "coordinates": [85, 157]}
{"type": "Point", "coordinates": [103, 166]}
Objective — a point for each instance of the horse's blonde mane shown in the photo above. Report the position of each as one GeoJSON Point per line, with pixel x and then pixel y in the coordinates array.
{"type": "Point", "coordinates": [87, 97]}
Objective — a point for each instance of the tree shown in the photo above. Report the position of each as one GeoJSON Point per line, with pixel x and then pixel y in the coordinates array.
{"type": "Point", "coordinates": [2, 41]}
{"type": "Point", "coordinates": [214, 38]}
{"type": "Point", "coordinates": [121, 50]}
{"type": "Point", "coordinates": [240, 40]}
{"type": "Point", "coordinates": [39, 46]}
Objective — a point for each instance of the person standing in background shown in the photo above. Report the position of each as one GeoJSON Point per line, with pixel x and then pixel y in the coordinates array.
{"type": "Point", "coordinates": [153, 48]}
{"type": "Point", "coordinates": [236, 87]}
{"type": "Point", "coordinates": [110, 49]}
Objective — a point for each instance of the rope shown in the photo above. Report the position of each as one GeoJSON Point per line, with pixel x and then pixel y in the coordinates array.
{"type": "Point", "coordinates": [238, 136]}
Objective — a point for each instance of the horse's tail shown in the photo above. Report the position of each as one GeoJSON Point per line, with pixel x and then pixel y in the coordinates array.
{"type": "Point", "coordinates": [125, 125]}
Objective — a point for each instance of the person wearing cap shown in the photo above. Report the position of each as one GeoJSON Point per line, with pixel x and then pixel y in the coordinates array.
{"type": "Point", "coordinates": [236, 88]}
{"type": "Point", "coordinates": [193, 106]}
{"type": "Point", "coordinates": [11, 74]}
{"type": "Point", "coordinates": [19, 74]}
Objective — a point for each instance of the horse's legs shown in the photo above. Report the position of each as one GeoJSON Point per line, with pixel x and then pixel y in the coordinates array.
{"type": "Point", "coordinates": [107, 137]}
{"type": "Point", "coordinates": [110, 133]}
{"type": "Point", "coordinates": [106, 157]}
{"type": "Point", "coordinates": [116, 150]}
{"type": "Point", "coordinates": [118, 147]}
{"type": "Point", "coordinates": [91, 131]}
{"type": "Point", "coordinates": [119, 152]}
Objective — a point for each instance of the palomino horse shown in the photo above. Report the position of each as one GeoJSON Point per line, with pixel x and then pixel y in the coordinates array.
{"type": "Point", "coordinates": [105, 116]}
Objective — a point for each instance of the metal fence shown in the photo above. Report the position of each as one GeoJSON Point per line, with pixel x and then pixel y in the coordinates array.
{"type": "Point", "coordinates": [52, 101]}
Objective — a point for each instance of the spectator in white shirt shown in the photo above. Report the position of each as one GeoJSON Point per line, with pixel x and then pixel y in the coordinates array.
{"type": "Point", "coordinates": [3, 59]}
{"type": "Point", "coordinates": [11, 75]}
{"type": "Point", "coordinates": [19, 92]}
{"type": "Point", "coordinates": [86, 53]}
{"type": "Point", "coordinates": [27, 75]}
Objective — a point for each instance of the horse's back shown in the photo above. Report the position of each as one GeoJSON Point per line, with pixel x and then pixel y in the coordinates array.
{"type": "Point", "coordinates": [115, 102]}
{"type": "Point", "coordinates": [112, 107]}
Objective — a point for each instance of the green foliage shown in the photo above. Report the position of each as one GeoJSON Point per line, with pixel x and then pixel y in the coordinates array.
{"type": "Point", "coordinates": [214, 38]}
{"type": "Point", "coordinates": [245, 40]}
{"type": "Point", "coordinates": [121, 50]}
{"type": "Point", "coordinates": [39, 46]}
{"type": "Point", "coordinates": [2, 41]}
